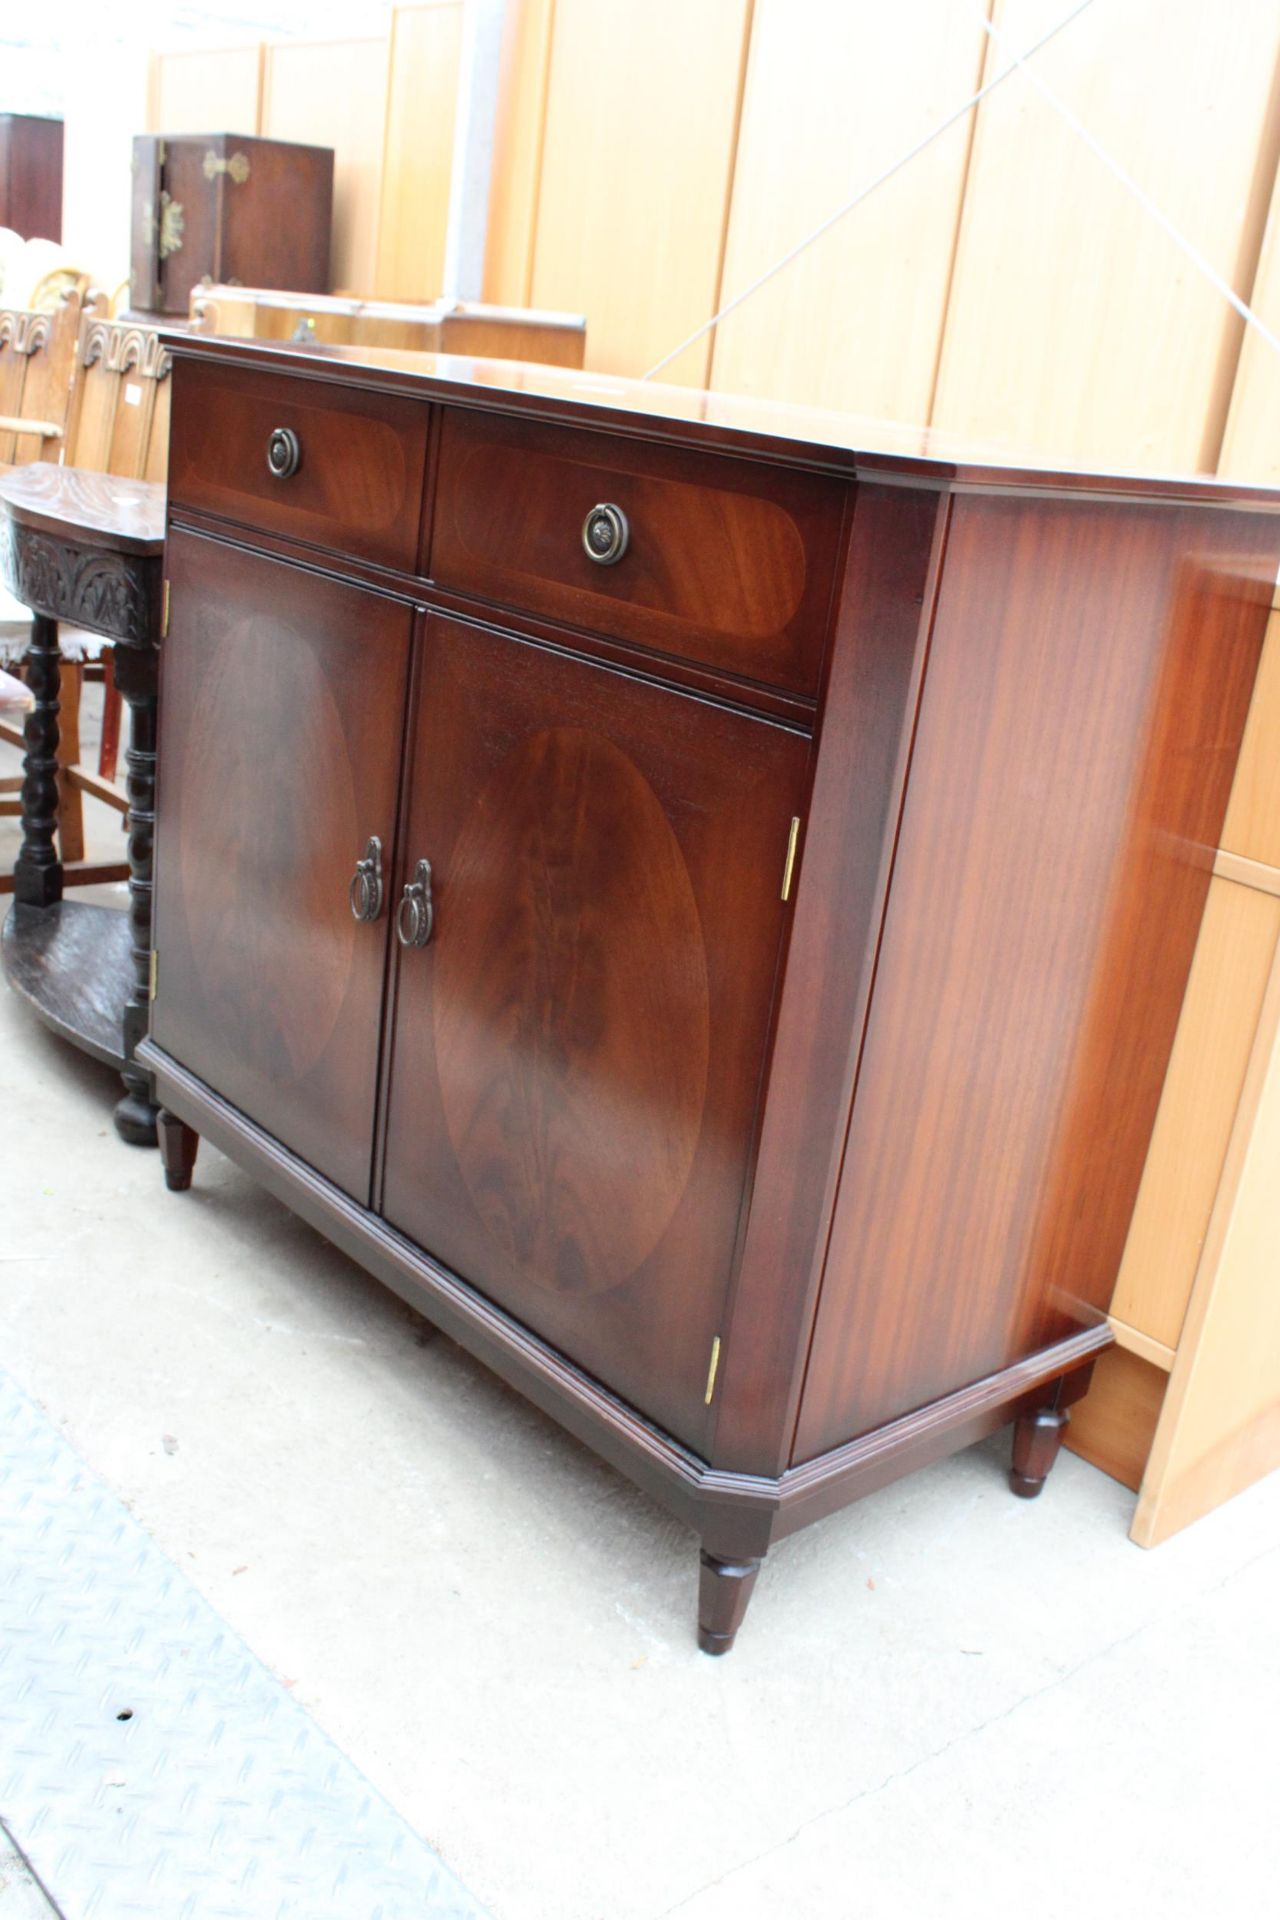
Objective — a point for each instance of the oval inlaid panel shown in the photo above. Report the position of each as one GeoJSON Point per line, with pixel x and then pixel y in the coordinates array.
{"type": "Point", "coordinates": [571, 1012]}
{"type": "Point", "coordinates": [252, 904]}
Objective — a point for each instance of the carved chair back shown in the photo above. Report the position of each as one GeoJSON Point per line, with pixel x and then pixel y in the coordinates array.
{"type": "Point", "coordinates": [37, 357]}
{"type": "Point", "coordinates": [119, 421]}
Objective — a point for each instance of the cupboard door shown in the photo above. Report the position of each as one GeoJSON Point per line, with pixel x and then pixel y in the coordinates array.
{"type": "Point", "coordinates": [279, 756]}
{"type": "Point", "coordinates": [577, 1048]}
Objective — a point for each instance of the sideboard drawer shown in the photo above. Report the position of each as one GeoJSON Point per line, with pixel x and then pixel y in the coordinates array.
{"type": "Point", "coordinates": [725, 562]}
{"type": "Point", "coordinates": [357, 459]}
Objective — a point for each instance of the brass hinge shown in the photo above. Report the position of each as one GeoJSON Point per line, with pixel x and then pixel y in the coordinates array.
{"type": "Point", "coordinates": [155, 972]}
{"type": "Point", "coordinates": [793, 841]}
{"type": "Point", "coordinates": [237, 167]}
{"type": "Point", "coordinates": [164, 614]}
{"type": "Point", "coordinates": [711, 1370]}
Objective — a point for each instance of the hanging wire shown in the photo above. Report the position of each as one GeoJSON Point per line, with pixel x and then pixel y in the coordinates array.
{"type": "Point", "coordinates": [1018, 62]}
{"type": "Point", "coordinates": [1139, 193]}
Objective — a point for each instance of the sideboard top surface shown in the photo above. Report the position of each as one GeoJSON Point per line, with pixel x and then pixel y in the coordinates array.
{"type": "Point", "coordinates": [852, 443]}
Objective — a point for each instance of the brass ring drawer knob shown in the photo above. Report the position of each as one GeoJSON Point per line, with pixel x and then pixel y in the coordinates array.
{"type": "Point", "coordinates": [365, 891]}
{"type": "Point", "coordinates": [284, 452]}
{"type": "Point", "coordinates": [605, 534]}
{"type": "Point", "coordinates": [416, 916]}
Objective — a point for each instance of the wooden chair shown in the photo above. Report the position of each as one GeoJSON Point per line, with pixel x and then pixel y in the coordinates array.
{"type": "Point", "coordinates": [117, 423]}
{"type": "Point", "coordinates": [37, 362]}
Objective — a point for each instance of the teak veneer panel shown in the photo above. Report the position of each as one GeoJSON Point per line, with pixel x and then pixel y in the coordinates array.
{"type": "Point", "coordinates": [1252, 825]}
{"type": "Point", "coordinates": [1220, 1426]}
{"type": "Point", "coordinates": [334, 94]}
{"type": "Point", "coordinates": [1073, 316]}
{"type": "Point", "coordinates": [417, 158]}
{"type": "Point", "coordinates": [1086, 690]}
{"type": "Point", "coordinates": [637, 161]}
{"type": "Point", "coordinates": [833, 95]}
{"type": "Point", "coordinates": [1114, 1425]}
{"type": "Point", "coordinates": [1197, 1111]}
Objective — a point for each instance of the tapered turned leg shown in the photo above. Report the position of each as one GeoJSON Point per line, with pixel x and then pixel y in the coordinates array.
{"type": "Point", "coordinates": [37, 875]}
{"type": "Point", "coordinates": [723, 1592]}
{"type": "Point", "coordinates": [179, 1145]}
{"type": "Point", "coordinates": [1036, 1439]}
{"type": "Point", "coordinates": [135, 670]}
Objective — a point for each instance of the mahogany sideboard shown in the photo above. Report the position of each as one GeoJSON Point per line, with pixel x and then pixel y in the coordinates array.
{"type": "Point", "coordinates": [695, 897]}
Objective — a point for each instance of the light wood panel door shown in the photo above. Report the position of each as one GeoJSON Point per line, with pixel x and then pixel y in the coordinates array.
{"type": "Point", "coordinates": [334, 94]}
{"type": "Point", "coordinates": [577, 1047]}
{"type": "Point", "coordinates": [1251, 445]}
{"type": "Point", "coordinates": [641, 121]}
{"type": "Point", "coordinates": [1220, 1424]}
{"type": "Point", "coordinates": [417, 160]}
{"type": "Point", "coordinates": [215, 87]}
{"type": "Point", "coordinates": [1076, 327]}
{"type": "Point", "coordinates": [836, 90]}
{"type": "Point", "coordinates": [275, 774]}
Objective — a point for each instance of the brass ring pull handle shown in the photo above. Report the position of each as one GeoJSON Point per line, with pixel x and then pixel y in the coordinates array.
{"type": "Point", "coordinates": [605, 534]}
{"type": "Point", "coordinates": [416, 916]}
{"type": "Point", "coordinates": [365, 891]}
{"type": "Point", "coordinates": [284, 452]}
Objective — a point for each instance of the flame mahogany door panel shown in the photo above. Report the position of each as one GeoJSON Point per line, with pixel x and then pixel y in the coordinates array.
{"type": "Point", "coordinates": [576, 1054]}
{"type": "Point", "coordinates": [280, 741]}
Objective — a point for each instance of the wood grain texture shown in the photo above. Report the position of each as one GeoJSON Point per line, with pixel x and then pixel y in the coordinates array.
{"type": "Point", "coordinates": [37, 358]}
{"type": "Point", "coordinates": [1197, 1110]}
{"type": "Point", "coordinates": [1252, 825]}
{"type": "Point", "coordinates": [1087, 687]}
{"type": "Point", "coordinates": [1113, 1427]}
{"type": "Point", "coordinates": [641, 125]}
{"type": "Point", "coordinates": [267, 985]}
{"type": "Point", "coordinates": [836, 90]}
{"type": "Point", "coordinates": [839, 893]}
{"type": "Point", "coordinates": [723, 565]}
{"type": "Point", "coordinates": [576, 1055]}
{"type": "Point", "coordinates": [1220, 1425]}
{"type": "Point", "coordinates": [417, 157]}
{"type": "Point", "coordinates": [1251, 443]}
{"type": "Point", "coordinates": [208, 87]}
{"type": "Point", "coordinates": [1073, 317]}
{"type": "Point", "coordinates": [516, 178]}
{"type": "Point", "coordinates": [440, 326]}
{"type": "Point", "coordinates": [208, 207]}
{"type": "Point", "coordinates": [334, 94]}
{"type": "Point", "coordinates": [71, 962]}
{"type": "Point", "coordinates": [358, 486]}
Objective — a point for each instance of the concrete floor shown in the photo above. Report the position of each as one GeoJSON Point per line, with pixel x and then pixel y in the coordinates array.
{"type": "Point", "coordinates": [943, 1699]}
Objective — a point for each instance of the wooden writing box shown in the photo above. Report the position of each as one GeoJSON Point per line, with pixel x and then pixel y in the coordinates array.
{"type": "Point", "coordinates": [227, 206]}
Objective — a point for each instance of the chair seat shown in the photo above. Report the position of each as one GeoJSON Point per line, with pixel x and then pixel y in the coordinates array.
{"type": "Point", "coordinates": [14, 697]}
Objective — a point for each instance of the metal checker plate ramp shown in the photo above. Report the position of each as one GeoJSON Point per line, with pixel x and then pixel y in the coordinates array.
{"type": "Point", "coordinates": [218, 1798]}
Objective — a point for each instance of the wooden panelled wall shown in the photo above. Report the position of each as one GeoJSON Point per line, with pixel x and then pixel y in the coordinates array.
{"type": "Point", "coordinates": [384, 103]}
{"type": "Point", "coordinates": [651, 160]}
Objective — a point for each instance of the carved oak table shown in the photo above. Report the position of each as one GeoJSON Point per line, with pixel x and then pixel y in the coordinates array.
{"type": "Point", "coordinates": [86, 548]}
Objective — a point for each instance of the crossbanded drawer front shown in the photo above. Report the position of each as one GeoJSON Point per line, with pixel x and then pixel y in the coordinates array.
{"type": "Point", "coordinates": [303, 458]}
{"type": "Point", "coordinates": [723, 562]}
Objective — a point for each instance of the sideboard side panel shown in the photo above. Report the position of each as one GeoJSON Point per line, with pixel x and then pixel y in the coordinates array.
{"type": "Point", "coordinates": [845, 849]}
{"type": "Point", "coordinates": [1088, 680]}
